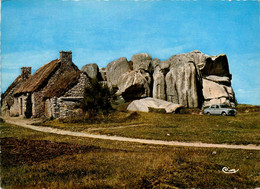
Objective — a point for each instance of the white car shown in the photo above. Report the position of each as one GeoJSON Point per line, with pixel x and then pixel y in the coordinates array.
{"type": "Point", "coordinates": [220, 109]}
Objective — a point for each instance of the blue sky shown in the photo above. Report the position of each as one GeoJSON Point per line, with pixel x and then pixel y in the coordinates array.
{"type": "Point", "coordinates": [33, 32]}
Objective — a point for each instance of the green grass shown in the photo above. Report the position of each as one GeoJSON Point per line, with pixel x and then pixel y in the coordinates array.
{"type": "Point", "coordinates": [114, 164]}
{"type": "Point", "coordinates": [241, 129]}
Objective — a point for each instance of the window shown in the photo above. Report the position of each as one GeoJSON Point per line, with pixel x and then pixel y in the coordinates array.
{"type": "Point", "coordinates": [223, 106]}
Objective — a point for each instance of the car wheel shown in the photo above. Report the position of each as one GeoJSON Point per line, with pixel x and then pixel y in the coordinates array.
{"type": "Point", "coordinates": [208, 113]}
{"type": "Point", "coordinates": [224, 113]}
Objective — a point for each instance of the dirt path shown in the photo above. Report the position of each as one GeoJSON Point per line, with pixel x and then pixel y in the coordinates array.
{"type": "Point", "coordinates": [27, 124]}
{"type": "Point", "coordinates": [118, 127]}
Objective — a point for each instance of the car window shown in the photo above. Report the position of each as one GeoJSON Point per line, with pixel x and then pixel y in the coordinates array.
{"type": "Point", "coordinates": [217, 106]}
{"type": "Point", "coordinates": [223, 106]}
{"type": "Point", "coordinates": [213, 106]}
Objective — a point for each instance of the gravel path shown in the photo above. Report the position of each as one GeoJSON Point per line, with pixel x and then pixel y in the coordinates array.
{"type": "Point", "coordinates": [27, 124]}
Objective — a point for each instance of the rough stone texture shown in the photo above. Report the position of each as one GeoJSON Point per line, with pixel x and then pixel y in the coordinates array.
{"type": "Point", "coordinates": [115, 70]}
{"type": "Point", "coordinates": [142, 61]}
{"type": "Point", "coordinates": [134, 85]}
{"type": "Point", "coordinates": [181, 82]}
{"type": "Point", "coordinates": [159, 84]}
{"type": "Point", "coordinates": [69, 107]}
{"type": "Point", "coordinates": [221, 80]}
{"type": "Point", "coordinates": [38, 104]}
{"type": "Point", "coordinates": [8, 96]}
{"type": "Point", "coordinates": [26, 72]}
{"type": "Point", "coordinates": [92, 70]}
{"type": "Point", "coordinates": [143, 105]}
{"type": "Point", "coordinates": [216, 65]}
{"type": "Point", "coordinates": [215, 93]}
{"type": "Point", "coordinates": [48, 108]}
{"type": "Point", "coordinates": [19, 107]}
{"type": "Point", "coordinates": [195, 56]}
{"type": "Point", "coordinates": [103, 74]}
{"type": "Point", "coordinates": [66, 57]}
{"type": "Point", "coordinates": [14, 109]}
{"type": "Point", "coordinates": [208, 65]}
{"type": "Point", "coordinates": [69, 104]}
{"type": "Point", "coordinates": [78, 89]}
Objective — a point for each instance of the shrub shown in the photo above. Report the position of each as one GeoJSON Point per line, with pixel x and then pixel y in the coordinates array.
{"type": "Point", "coordinates": [97, 99]}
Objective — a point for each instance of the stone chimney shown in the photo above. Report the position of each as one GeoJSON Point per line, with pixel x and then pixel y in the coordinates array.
{"type": "Point", "coordinates": [66, 56]}
{"type": "Point", "coordinates": [26, 72]}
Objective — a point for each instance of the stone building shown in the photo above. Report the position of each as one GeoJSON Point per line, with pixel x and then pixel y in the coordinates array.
{"type": "Point", "coordinates": [54, 90]}
{"type": "Point", "coordinates": [7, 107]}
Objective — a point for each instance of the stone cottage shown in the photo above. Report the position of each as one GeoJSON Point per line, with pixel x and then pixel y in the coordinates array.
{"type": "Point", "coordinates": [54, 90]}
{"type": "Point", "coordinates": [8, 96]}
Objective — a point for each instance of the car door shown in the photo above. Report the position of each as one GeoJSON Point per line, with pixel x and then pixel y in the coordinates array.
{"type": "Point", "coordinates": [217, 110]}
{"type": "Point", "coordinates": [212, 109]}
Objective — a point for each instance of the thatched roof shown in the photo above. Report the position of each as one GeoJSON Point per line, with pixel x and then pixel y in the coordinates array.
{"type": "Point", "coordinates": [54, 78]}
{"type": "Point", "coordinates": [8, 94]}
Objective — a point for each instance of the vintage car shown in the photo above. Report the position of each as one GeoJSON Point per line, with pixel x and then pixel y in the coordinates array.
{"type": "Point", "coordinates": [220, 109]}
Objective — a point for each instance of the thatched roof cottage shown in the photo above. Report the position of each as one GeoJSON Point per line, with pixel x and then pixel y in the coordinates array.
{"type": "Point", "coordinates": [8, 96]}
{"type": "Point", "coordinates": [54, 90]}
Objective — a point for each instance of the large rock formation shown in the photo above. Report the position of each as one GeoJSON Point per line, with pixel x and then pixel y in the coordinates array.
{"type": "Point", "coordinates": [215, 93]}
{"type": "Point", "coordinates": [190, 79]}
{"type": "Point", "coordinates": [181, 83]}
{"type": "Point", "coordinates": [134, 85]}
{"type": "Point", "coordinates": [142, 61]}
{"type": "Point", "coordinates": [92, 70]}
{"type": "Point", "coordinates": [158, 83]}
{"type": "Point", "coordinates": [146, 104]}
{"type": "Point", "coordinates": [115, 70]}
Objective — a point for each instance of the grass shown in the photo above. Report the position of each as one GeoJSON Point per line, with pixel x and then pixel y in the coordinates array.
{"type": "Point", "coordinates": [240, 129]}
{"type": "Point", "coordinates": [111, 164]}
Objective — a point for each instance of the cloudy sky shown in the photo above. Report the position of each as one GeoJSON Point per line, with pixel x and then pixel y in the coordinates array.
{"type": "Point", "coordinates": [33, 32]}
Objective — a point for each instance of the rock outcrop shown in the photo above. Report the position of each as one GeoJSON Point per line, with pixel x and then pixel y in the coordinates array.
{"type": "Point", "coordinates": [103, 74]}
{"type": "Point", "coordinates": [142, 61]}
{"type": "Point", "coordinates": [134, 85]}
{"type": "Point", "coordinates": [215, 93]}
{"type": "Point", "coordinates": [115, 70]}
{"type": "Point", "coordinates": [181, 83]}
{"type": "Point", "coordinates": [92, 70]}
{"type": "Point", "coordinates": [158, 83]}
{"type": "Point", "coordinates": [182, 79]}
{"type": "Point", "coordinates": [145, 104]}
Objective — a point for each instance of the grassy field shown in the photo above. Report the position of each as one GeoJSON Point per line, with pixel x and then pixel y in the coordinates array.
{"type": "Point", "coordinates": [31, 159]}
{"type": "Point", "coordinates": [241, 129]}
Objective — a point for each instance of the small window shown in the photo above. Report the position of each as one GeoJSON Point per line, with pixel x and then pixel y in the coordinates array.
{"type": "Point", "coordinates": [217, 106]}
{"type": "Point", "coordinates": [213, 106]}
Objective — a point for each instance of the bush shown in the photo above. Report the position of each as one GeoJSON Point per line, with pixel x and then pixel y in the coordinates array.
{"type": "Point", "coordinates": [97, 99]}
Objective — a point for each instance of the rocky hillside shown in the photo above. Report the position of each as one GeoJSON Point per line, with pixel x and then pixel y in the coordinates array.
{"type": "Point", "coordinates": [191, 79]}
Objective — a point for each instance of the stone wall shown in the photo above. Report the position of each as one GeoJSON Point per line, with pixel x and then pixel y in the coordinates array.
{"type": "Point", "coordinates": [20, 105]}
{"type": "Point", "coordinates": [14, 109]}
{"type": "Point", "coordinates": [68, 104]}
{"type": "Point", "coordinates": [78, 89]}
{"type": "Point", "coordinates": [38, 104]}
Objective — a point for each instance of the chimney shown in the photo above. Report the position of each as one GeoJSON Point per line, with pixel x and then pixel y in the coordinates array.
{"type": "Point", "coordinates": [66, 56]}
{"type": "Point", "coordinates": [26, 72]}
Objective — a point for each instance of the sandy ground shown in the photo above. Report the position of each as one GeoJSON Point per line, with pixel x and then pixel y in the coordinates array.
{"type": "Point", "coordinates": [27, 124]}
